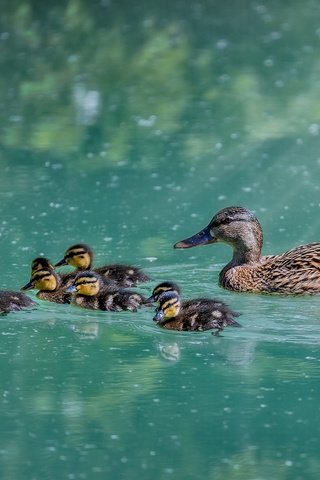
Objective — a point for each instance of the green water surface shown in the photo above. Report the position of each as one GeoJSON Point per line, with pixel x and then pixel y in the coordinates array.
{"type": "Point", "coordinates": [127, 125]}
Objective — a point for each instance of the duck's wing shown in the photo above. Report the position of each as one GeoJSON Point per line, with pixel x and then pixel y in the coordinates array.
{"type": "Point", "coordinates": [294, 272]}
{"type": "Point", "coordinates": [302, 257]}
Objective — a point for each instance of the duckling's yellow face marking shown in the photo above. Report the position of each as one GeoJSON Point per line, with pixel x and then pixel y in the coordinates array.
{"type": "Point", "coordinates": [44, 280]}
{"type": "Point", "coordinates": [171, 308]}
{"type": "Point", "coordinates": [87, 285]}
{"type": "Point", "coordinates": [79, 258]}
{"type": "Point", "coordinates": [168, 307]}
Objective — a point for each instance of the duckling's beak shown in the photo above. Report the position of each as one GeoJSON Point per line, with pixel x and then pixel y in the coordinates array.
{"type": "Point", "coordinates": [71, 289]}
{"type": "Point", "coordinates": [62, 262]}
{"type": "Point", "coordinates": [159, 316]}
{"type": "Point", "coordinates": [28, 286]}
{"type": "Point", "coordinates": [150, 300]}
{"type": "Point", "coordinates": [201, 238]}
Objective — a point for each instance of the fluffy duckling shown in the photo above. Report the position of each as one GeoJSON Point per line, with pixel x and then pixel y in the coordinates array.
{"type": "Point", "coordinates": [41, 263]}
{"type": "Point", "coordinates": [11, 301]}
{"type": "Point", "coordinates": [198, 314]}
{"type": "Point", "coordinates": [295, 272]}
{"type": "Point", "coordinates": [80, 256]}
{"type": "Point", "coordinates": [94, 292]}
{"type": "Point", "coordinates": [49, 284]}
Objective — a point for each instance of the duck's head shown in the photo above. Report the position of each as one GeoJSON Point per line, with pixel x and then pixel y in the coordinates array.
{"type": "Point", "coordinates": [78, 256]}
{"type": "Point", "coordinates": [161, 288]}
{"type": "Point", "coordinates": [169, 305]}
{"type": "Point", "coordinates": [86, 283]}
{"type": "Point", "coordinates": [44, 279]}
{"type": "Point", "coordinates": [236, 226]}
{"type": "Point", "coordinates": [39, 263]}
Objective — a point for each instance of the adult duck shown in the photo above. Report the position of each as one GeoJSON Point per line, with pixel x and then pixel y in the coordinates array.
{"type": "Point", "coordinates": [295, 272]}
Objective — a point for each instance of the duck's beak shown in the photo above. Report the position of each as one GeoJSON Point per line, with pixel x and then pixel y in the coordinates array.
{"type": "Point", "coordinates": [62, 262]}
{"type": "Point", "coordinates": [28, 286]}
{"type": "Point", "coordinates": [71, 289]}
{"type": "Point", "coordinates": [201, 238]}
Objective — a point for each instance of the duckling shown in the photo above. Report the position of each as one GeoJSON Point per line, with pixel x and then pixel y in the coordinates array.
{"type": "Point", "coordinates": [295, 272]}
{"type": "Point", "coordinates": [198, 314]}
{"type": "Point", "coordinates": [92, 291]}
{"type": "Point", "coordinates": [11, 301]}
{"type": "Point", "coordinates": [80, 256]}
{"type": "Point", "coordinates": [40, 263]}
{"type": "Point", "coordinates": [49, 284]}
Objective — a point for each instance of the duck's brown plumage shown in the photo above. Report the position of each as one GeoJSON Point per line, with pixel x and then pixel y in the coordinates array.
{"type": "Point", "coordinates": [80, 256]}
{"type": "Point", "coordinates": [295, 272]}
{"type": "Point", "coordinates": [11, 301]}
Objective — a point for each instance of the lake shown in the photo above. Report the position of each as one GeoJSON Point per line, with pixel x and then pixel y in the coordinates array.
{"type": "Point", "coordinates": [127, 126]}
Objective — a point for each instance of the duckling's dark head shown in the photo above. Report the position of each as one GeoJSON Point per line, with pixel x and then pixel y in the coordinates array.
{"type": "Point", "coordinates": [45, 279]}
{"type": "Point", "coordinates": [236, 226]}
{"type": "Point", "coordinates": [78, 256]}
{"type": "Point", "coordinates": [169, 305]}
{"type": "Point", "coordinates": [39, 263]}
{"type": "Point", "coordinates": [161, 288]}
{"type": "Point", "coordinates": [86, 283]}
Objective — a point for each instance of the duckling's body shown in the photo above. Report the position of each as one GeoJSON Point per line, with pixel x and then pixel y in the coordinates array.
{"type": "Point", "coordinates": [80, 256]}
{"type": "Point", "coordinates": [49, 284]}
{"type": "Point", "coordinates": [295, 272]}
{"type": "Point", "coordinates": [11, 301]}
{"type": "Point", "coordinates": [198, 314]}
{"type": "Point", "coordinates": [92, 291]}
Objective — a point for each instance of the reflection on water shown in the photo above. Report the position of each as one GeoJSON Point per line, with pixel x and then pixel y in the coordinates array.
{"type": "Point", "coordinates": [169, 351]}
{"type": "Point", "coordinates": [109, 404]}
{"type": "Point", "coordinates": [87, 331]}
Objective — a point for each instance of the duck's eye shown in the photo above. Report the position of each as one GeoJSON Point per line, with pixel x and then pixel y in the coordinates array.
{"type": "Point", "coordinates": [220, 222]}
{"type": "Point", "coordinates": [227, 220]}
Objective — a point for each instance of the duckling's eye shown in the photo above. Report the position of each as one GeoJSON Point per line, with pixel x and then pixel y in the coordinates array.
{"type": "Point", "coordinates": [227, 220]}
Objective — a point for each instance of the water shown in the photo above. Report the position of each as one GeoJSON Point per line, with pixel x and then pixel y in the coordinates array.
{"type": "Point", "coordinates": [128, 127]}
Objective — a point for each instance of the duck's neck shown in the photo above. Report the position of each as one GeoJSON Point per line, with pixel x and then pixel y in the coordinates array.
{"type": "Point", "coordinates": [246, 250]}
{"type": "Point", "coordinates": [241, 257]}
